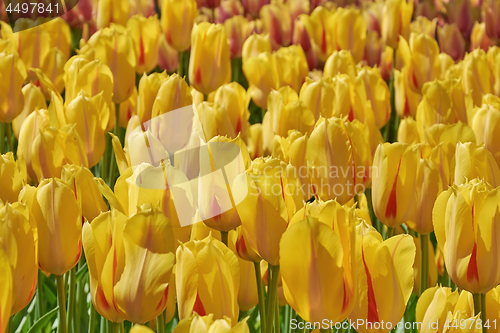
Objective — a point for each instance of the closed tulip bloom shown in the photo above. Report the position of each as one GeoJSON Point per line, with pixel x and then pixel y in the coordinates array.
{"type": "Point", "coordinates": [59, 224]}
{"type": "Point", "coordinates": [145, 33]}
{"type": "Point", "coordinates": [7, 291]}
{"type": "Point", "coordinates": [149, 85]}
{"type": "Point", "coordinates": [177, 20]}
{"type": "Point", "coordinates": [349, 22]}
{"type": "Point", "coordinates": [318, 96]}
{"type": "Point", "coordinates": [427, 186]}
{"type": "Point", "coordinates": [340, 62]}
{"type": "Point", "coordinates": [168, 57]}
{"type": "Point", "coordinates": [207, 324]}
{"type": "Point", "coordinates": [262, 74]}
{"type": "Point", "coordinates": [406, 100]}
{"type": "Point", "coordinates": [254, 45]}
{"type": "Point", "coordinates": [242, 250]}
{"type": "Point", "coordinates": [464, 14]}
{"type": "Point", "coordinates": [253, 6]}
{"type": "Point", "coordinates": [214, 120]}
{"type": "Point", "coordinates": [173, 94]}
{"type": "Point", "coordinates": [88, 193]}
{"type": "Point", "coordinates": [53, 148]}
{"type": "Point", "coordinates": [422, 24]}
{"type": "Point", "coordinates": [490, 11]}
{"type": "Point", "coordinates": [486, 126]}
{"type": "Point", "coordinates": [12, 99]}
{"type": "Point", "coordinates": [474, 83]}
{"type": "Point", "coordinates": [377, 92]}
{"type": "Point", "coordinates": [330, 231]}
{"type": "Point", "coordinates": [465, 218]}
{"type": "Point", "coordinates": [207, 279]}
{"type": "Point", "coordinates": [33, 100]}
{"type": "Point", "coordinates": [292, 66]}
{"type": "Point", "coordinates": [277, 23]}
{"type": "Point", "coordinates": [112, 11]}
{"type": "Point", "coordinates": [479, 39]}
{"type": "Point", "coordinates": [385, 278]}
{"type": "Point", "coordinates": [13, 177]}
{"type": "Point", "coordinates": [255, 141]}
{"type": "Point", "coordinates": [232, 97]}
{"type": "Point", "coordinates": [407, 131]}
{"type": "Point", "coordinates": [475, 161]}
{"type": "Point", "coordinates": [16, 239]}
{"type": "Point", "coordinates": [396, 17]}
{"type": "Point", "coordinates": [350, 98]}
{"type": "Point", "coordinates": [493, 304]}
{"type": "Point", "coordinates": [393, 188]}
{"type": "Point", "coordinates": [114, 47]}
{"type": "Point", "coordinates": [438, 304]}
{"type": "Point", "coordinates": [209, 66]}
{"type": "Point", "coordinates": [237, 32]}
{"type": "Point", "coordinates": [432, 270]}
{"type": "Point", "coordinates": [451, 41]}
{"type": "Point", "coordinates": [318, 27]}
{"type": "Point", "coordinates": [32, 42]}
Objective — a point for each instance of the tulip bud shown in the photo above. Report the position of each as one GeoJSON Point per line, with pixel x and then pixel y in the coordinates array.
{"type": "Point", "coordinates": [292, 66]}
{"type": "Point", "coordinates": [479, 39]}
{"type": "Point", "coordinates": [350, 98]}
{"type": "Point", "coordinates": [254, 45]}
{"type": "Point", "coordinates": [392, 258]}
{"type": "Point", "coordinates": [13, 177]}
{"type": "Point", "coordinates": [377, 92]}
{"type": "Point", "coordinates": [393, 188]}
{"type": "Point", "coordinates": [406, 99]}
{"type": "Point", "coordinates": [173, 94]}
{"type": "Point", "coordinates": [196, 262]}
{"type": "Point", "coordinates": [349, 22]}
{"type": "Point", "coordinates": [474, 161]}
{"type": "Point", "coordinates": [11, 95]}
{"type": "Point", "coordinates": [112, 11]}
{"type": "Point", "coordinates": [168, 57]}
{"type": "Point", "coordinates": [451, 41]}
{"type": "Point", "coordinates": [277, 23]}
{"type": "Point", "coordinates": [237, 32]}
{"type": "Point", "coordinates": [318, 96]}
{"type": "Point", "coordinates": [324, 224]}
{"type": "Point", "coordinates": [396, 17]}
{"type": "Point", "coordinates": [490, 11]}
{"type": "Point", "coordinates": [33, 100]}
{"type": "Point", "coordinates": [177, 20]}
{"type": "Point", "coordinates": [486, 124]}
{"type": "Point", "coordinates": [232, 97]}
{"type": "Point", "coordinates": [253, 6]}
{"type": "Point", "coordinates": [59, 224]}
{"type": "Point", "coordinates": [470, 213]}
{"type": "Point", "coordinates": [407, 131]}
{"type": "Point", "coordinates": [145, 33]}
{"type": "Point", "coordinates": [463, 14]}
{"type": "Point", "coordinates": [262, 74]}
{"type": "Point", "coordinates": [340, 62]}
{"type": "Point", "coordinates": [208, 66]}
{"type": "Point", "coordinates": [477, 77]}
{"type": "Point", "coordinates": [422, 25]}
{"type": "Point", "coordinates": [215, 121]}
{"type": "Point", "coordinates": [16, 238]}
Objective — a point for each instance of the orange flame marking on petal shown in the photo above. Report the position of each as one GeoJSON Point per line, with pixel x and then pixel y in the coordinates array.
{"type": "Point", "coordinates": [372, 316]}
{"type": "Point", "coordinates": [472, 272]}
{"type": "Point", "coordinates": [392, 207]}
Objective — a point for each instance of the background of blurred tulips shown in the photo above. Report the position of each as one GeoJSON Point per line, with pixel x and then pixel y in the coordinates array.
{"type": "Point", "coordinates": [217, 166]}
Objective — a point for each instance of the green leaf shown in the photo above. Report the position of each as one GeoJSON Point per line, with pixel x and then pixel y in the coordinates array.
{"type": "Point", "coordinates": [37, 327]}
{"type": "Point", "coordinates": [81, 272]}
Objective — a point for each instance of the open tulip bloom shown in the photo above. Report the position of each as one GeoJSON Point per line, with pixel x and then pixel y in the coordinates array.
{"type": "Point", "coordinates": [244, 166]}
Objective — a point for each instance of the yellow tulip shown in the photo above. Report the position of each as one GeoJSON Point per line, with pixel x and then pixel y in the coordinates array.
{"type": "Point", "coordinates": [377, 92]}
{"type": "Point", "coordinates": [254, 45]}
{"type": "Point", "coordinates": [451, 41]}
{"type": "Point", "coordinates": [237, 32]}
{"type": "Point", "coordinates": [478, 38]}
{"type": "Point", "coordinates": [439, 304]}
{"type": "Point", "coordinates": [477, 76]}
{"type": "Point", "coordinates": [149, 85]}
{"type": "Point", "coordinates": [214, 120]}
{"type": "Point", "coordinates": [475, 161]}
{"type": "Point", "coordinates": [114, 47]}
{"type": "Point", "coordinates": [207, 279]}
{"type": "Point", "coordinates": [422, 24]}
{"type": "Point", "coordinates": [292, 66]}
{"type": "Point", "coordinates": [141, 329]}
{"type": "Point", "coordinates": [396, 17]}
{"type": "Point", "coordinates": [36, 121]}
{"type": "Point", "coordinates": [493, 307]}
{"type": "Point", "coordinates": [16, 239]}
{"type": "Point", "coordinates": [232, 97]}
{"type": "Point", "coordinates": [262, 74]}
{"type": "Point", "coordinates": [210, 62]}
{"type": "Point", "coordinates": [13, 177]}
{"type": "Point", "coordinates": [330, 249]}
{"type": "Point", "coordinates": [393, 188]}
{"type": "Point", "coordinates": [115, 11]}
{"type": "Point", "coordinates": [334, 153]}
{"type": "Point", "coordinates": [33, 100]}
{"type": "Point", "coordinates": [7, 291]}
{"type": "Point", "coordinates": [242, 250]}
{"type": "Point", "coordinates": [349, 22]}
{"type": "Point", "coordinates": [406, 100]}
{"type": "Point", "coordinates": [207, 324]}
{"type": "Point", "coordinates": [82, 181]}
{"type": "Point", "coordinates": [407, 131]}
{"type": "Point", "coordinates": [465, 218]}
{"type": "Point", "coordinates": [432, 268]}
{"type": "Point", "coordinates": [145, 33]}
{"type": "Point", "coordinates": [277, 23]}
{"type": "Point", "coordinates": [385, 278]}
{"type": "Point", "coordinates": [173, 94]}
{"type": "Point", "coordinates": [32, 41]}
{"type": "Point", "coordinates": [427, 187]}
{"type": "Point", "coordinates": [168, 57]}
{"type": "Point", "coordinates": [340, 62]}
{"type": "Point", "coordinates": [177, 20]}
{"type": "Point", "coordinates": [54, 148]}
{"type": "Point", "coordinates": [59, 224]}
{"type": "Point", "coordinates": [318, 96]}
{"type": "Point", "coordinates": [12, 99]}
{"type": "Point", "coordinates": [486, 125]}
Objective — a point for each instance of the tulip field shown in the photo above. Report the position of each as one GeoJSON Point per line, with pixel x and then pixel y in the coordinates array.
{"type": "Point", "coordinates": [250, 166]}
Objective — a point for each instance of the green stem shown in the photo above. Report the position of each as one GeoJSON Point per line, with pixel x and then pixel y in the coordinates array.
{"type": "Point", "coordinates": [391, 231]}
{"type": "Point", "coordinates": [62, 304]}
{"type": "Point", "coordinates": [115, 327]}
{"type": "Point", "coordinates": [92, 318]}
{"type": "Point", "coordinates": [112, 164]}
{"type": "Point", "coordinates": [180, 66]}
{"type": "Point", "coordinates": [2, 138]}
{"type": "Point", "coordinates": [71, 298]}
{"type": "Point", "coordinates": [8, 133]}
{"type": "Point", "coordinates": [272, 296]}
{"type": "Point", "coordinates": [446, 278]}
{"type": "Point", "coordinates": [262, 301]}
{"type": "Point", "coordinates": [277, 322]}
{"type": "Point", "coordinates": [477, 303]}
{"type": "Point", "coordinates": [205, 98]}
{"type": "Point", "coordinates": [39, 296]}
{"type": "Point", "coordinates": [483, 313]}
{"type": "Point", "coordinates": [160, 323]}
{"type": "Point", "coordinates": [224, 236]}
{"type": "Point", "coordinates": [424, 263]}
{"type": "Point", "coordinates": [9, 326]}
